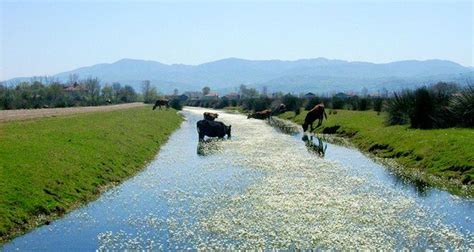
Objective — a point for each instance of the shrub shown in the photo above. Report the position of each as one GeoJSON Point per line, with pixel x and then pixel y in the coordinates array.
{"type": "Point", "coordinates": [363, 104]}
{"type": "Point", "coordinates": [176, 104]}
{"type": "Point", "coordinates": [424, 108]}
{"type": "Point", "coordinates": [462, 107]}
{"type": "Point", "coordinates": [261, 104]}
{"type": "Point", "coordinates": [224, 102]}
{"type": "Point", "coordinates": [399, 108]}
{"type": "Point", "coordinates": [337, 103]}
{"type": "Point", "coordinates": [291, 102]}
{"type": "Point", "coordinates": [378, 103]}
{"type": "Point", "coordinates": [353, 103]}
{"type": "Point", "coordinates": [297, 110]}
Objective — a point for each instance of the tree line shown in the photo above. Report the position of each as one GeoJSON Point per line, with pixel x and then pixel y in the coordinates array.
{"type": "Point", "coordinates": [86, 92]}
{"type": "Point", "coordinates": [439, 105]}
{"type": "Point", "coordinates": [249, 99]}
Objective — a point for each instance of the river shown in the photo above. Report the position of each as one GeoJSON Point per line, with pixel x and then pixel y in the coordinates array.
{"type": "Point", "coordinates": [260, 189]}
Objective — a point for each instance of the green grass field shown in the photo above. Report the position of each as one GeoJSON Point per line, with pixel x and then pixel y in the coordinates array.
{"type": "Point", "coordinates": [49, 166]}
{"type": "Point", "coordinates": [444, 155]}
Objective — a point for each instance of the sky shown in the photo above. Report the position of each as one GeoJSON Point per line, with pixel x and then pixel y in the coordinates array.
{"type": "Point", "coordinates": [40, 38]}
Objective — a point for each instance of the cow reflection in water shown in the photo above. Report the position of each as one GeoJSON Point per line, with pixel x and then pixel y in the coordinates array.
{"type": "Point", "coordinates": [209, 146]}
{"type": "Point", "coordinates": [319, 148]}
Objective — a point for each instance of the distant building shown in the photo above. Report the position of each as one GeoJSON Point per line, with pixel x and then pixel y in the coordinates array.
{"type": "Point", "coordinates": [309, 96]}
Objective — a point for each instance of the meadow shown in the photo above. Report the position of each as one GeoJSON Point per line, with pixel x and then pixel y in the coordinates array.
{"type": "Point", "coordinates": [439, 157]}
{"type": "Point", "coordinates": [50, 166]}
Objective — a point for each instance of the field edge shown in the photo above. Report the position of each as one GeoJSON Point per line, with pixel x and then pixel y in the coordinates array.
{"type": "Point", "coordinates": [36, 221]}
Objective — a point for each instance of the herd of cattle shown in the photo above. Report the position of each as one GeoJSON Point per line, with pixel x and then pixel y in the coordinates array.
{"type": "Point", "coordinates": [212, 128]}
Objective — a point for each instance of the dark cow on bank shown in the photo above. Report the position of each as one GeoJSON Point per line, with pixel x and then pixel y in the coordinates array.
{"type": "Point", "coordinates": [210, 116]}
{"type": "Point", "coordinates": [161, 102]}
{"type": "Point", "coordinates": [212, 129]}
{"type": "Point", "coordinates": [315, 113]}
{"type": "Point", "coordinates": [264, 114]}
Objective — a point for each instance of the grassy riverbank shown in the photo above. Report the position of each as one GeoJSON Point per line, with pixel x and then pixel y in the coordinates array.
{"type": "Point", "coordinates": [440, 157]}
{"type": "Point", "coordinates": [49, 166]}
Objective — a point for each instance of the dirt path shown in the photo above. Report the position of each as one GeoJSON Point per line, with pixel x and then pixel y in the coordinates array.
{"type": "Point", "coordinates": [23, 114]}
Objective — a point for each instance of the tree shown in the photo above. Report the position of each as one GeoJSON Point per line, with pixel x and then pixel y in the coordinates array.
{"type": "Point", "coordinates": [73, 78]}
{"type": "Point", "coordinates": [175, 92]}
{"type": "Point", "coordinates": [55, 95]}
{"type": "Point", "coordinates": [116, 87]}
{"type": "Point", "coordinates": [107, 92]}
{"type": "Point", "coordinates": [247, 92]}
{"type": "Point", "coordinates": [149, 92]}
{"type": "Point", "coordinates": [92, 89]}
{"type": "Point", "coordinates": [127, 94]}
{"type": "Point", "coordinates": [206, 90]}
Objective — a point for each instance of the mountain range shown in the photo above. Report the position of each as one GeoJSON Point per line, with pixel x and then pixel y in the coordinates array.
{"type": "Point", "coordinates": [316, 75]}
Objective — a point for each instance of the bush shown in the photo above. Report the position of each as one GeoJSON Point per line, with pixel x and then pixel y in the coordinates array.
{"type": "Point", "coordinates": [176, 104]}
{"type": "Point", "coordinates": [297, 110]}
{"type": "Point", "coordinates": [424, 108]}
{"type": "Point", "coordinates": [363, 104]}
{"type": "Point", "coordinates": [462, 107]}
{"type": "Point", "coordinates": [399, 108]}
{"type": "Point", "coordinates": [353, 102]}
{"type": "Point", "coordinates": [292, 102]}
{"type": "Point", "coordinates": [378, 103]}
{"type": "Point", "coordinates": [224, 102]}
{"type": "Point", "coordinates": [337, 103]}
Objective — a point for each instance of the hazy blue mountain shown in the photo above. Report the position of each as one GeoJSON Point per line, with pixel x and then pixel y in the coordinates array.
{"type": "Point", "coordinates": [317, 75]}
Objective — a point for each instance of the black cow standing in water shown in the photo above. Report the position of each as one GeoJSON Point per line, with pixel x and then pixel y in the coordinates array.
{"type": "Point", "coordinates": [212, 129]}
{"type": "Point", "coordinates": [162, 102]}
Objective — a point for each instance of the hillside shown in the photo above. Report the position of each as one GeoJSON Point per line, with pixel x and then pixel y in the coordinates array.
{"type": "Point", "coordinates": [317, 75]}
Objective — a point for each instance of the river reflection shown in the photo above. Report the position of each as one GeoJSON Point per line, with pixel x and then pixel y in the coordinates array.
{"type": "Point", "coordinates": [209, 146]}
{"type": "Point", "coordinates": [318, 148]}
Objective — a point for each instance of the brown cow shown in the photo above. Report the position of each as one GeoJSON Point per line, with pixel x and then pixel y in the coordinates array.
{"type": "Point", "coordinates": [264, 114]}
{"type": "Point", "coordinates": [210, 116]}
{"type": "Point", "coordinates": [315, 113]}
{"type": "Point", "coordinates": [161, 102]}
